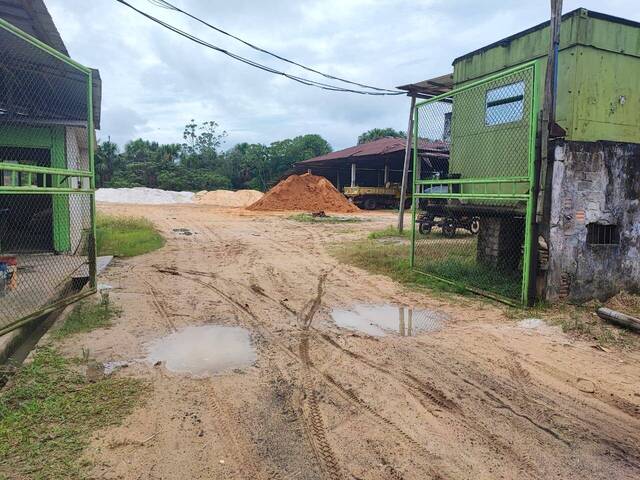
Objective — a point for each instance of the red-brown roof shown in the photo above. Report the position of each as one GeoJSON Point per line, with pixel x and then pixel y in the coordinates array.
{"type": "Point", "coordinates": [382, 146]}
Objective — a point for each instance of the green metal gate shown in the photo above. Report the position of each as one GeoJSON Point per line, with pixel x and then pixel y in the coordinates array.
{"type": "Point", "coordinates": [472, 218]}
{"type": "Point", "coordinates": [47, 205]}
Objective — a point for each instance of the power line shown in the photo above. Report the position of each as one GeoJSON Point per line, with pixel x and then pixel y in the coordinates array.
{"type": "Point", "coordinates": [169, 6]}
{"type": "Point", "coordinates": [302, 80]}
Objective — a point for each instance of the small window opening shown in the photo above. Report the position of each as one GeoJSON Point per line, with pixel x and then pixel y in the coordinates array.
{"type": "Point", "coordinates": [505, 104]}
{"type": "Point", "coordinates": [599, 234]}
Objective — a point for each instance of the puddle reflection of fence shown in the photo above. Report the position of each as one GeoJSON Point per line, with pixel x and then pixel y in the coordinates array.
{"type": "Point", "coordinates": [412, 322]}
{"type": "Point", "coordinates": [380, 320]}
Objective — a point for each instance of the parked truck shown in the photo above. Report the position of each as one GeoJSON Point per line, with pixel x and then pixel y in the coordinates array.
{"type": "Point", "coordinates": [371, 198]}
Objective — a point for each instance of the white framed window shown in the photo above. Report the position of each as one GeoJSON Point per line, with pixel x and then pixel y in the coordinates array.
{"type": "Point", "coordinates": [505, 104]}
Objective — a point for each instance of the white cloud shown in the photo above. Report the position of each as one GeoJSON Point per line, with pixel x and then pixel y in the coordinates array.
{"type": "Point", "coordinates": [154, 81]}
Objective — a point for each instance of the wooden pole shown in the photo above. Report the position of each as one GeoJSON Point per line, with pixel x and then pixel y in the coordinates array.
{"type": "Point", "coordinates": [405, 168]}
{"type": "Point", "coordinates": [353, 174]}
{"type": "Point", "coordinates": [544, 171]}
{"type": "Point", "coordinates": [619, 318]}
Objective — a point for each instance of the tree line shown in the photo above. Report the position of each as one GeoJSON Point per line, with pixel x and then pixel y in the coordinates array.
{"type": "Point", "coordinates": [198, 163]}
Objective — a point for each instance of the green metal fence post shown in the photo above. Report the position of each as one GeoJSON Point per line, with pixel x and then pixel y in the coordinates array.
{"type": "Point", "coordinates": [530, 242]}
{"type": "Point", "coordinates": [414, 186]}
{"type": "Point", "coordinates": [93, 247]}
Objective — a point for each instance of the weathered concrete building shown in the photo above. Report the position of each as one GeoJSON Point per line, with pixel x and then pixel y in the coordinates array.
{"type": "Point", "coordinates": [594, 231]}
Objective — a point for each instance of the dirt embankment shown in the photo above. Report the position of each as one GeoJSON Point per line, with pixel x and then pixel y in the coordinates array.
{"type": "Point", "coordinates": [309, 193]}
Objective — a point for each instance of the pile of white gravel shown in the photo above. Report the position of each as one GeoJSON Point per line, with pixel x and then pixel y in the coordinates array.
{"type": "Point", "coordinates": [142, 195]}
{"type": "Point", "coordinates": [228, 198]}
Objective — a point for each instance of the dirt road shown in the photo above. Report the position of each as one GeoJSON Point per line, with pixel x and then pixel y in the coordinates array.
{"type": "Point", "coordinates": [483, 398]}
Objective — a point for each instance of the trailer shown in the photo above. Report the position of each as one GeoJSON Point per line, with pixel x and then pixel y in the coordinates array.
{"type": "Point", "coordinates": [371, 198]}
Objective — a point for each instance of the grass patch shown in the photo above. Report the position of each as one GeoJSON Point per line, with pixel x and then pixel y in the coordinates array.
{"type": "Point", "coordinates": [126, 236]}
{"type": "Point", "coordinates": [308, 218]}
{"type": "Point", "coordinates": [48, 413]}
{"type": "Point", "coordinates": [87, 316]}
{"type": "Point", "coordinates": [388, 259]}
{"type": "Point", "coordinates": [390, 232]}
{"type": "Point", "coordinates": [452, 259]}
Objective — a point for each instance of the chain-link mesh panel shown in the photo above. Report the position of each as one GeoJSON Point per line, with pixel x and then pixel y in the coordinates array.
{"type": "Point", "coordinates": [471, 213]}
{"type": "Point", "coordinates": [46, 202]}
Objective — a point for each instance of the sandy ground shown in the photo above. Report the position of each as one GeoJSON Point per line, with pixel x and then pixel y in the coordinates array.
{"type": "Point", "coordinates": [480, 399]}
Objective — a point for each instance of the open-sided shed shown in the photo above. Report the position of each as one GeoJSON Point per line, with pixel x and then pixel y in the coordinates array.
{"type": "Point", "coordinates": [376, 163]}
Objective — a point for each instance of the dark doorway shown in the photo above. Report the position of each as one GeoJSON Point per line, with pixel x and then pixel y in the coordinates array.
{"type": "Point", "coordinates": [26, 220]}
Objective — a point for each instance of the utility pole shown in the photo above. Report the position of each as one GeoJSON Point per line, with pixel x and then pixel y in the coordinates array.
{"type": "Point", "coordinates": [544, 170]}
{"type": "Point", "coordinates": [549, 104]}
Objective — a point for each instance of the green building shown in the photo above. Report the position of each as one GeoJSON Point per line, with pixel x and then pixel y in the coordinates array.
{"type": "Point", "coordinates": [488, 110]}
{"type": "Point", "coordinates": [598, 93]}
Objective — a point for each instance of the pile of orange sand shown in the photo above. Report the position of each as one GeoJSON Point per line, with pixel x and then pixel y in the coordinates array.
{"type": "Point", "coordinates": [309, 193]}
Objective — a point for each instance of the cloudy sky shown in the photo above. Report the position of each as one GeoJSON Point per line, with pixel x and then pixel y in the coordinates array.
{"type": "Point", "coordinates": [155, 81]}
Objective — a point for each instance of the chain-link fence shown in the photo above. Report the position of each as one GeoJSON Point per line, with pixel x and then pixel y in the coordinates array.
{"type": "Point", "coordinates": [472, 218]}
{"type": "Point", "coordinates": [47, 240]}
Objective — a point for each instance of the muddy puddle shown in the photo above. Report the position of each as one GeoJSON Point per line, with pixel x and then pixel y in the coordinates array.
{"type": "Point", "coordinates": [380, 320]}
{"type": "Point", "coordinates": [205, 350]}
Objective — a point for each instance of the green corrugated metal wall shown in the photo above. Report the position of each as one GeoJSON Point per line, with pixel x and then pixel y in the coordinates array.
{"type": "Point", "coordinates": [599, 63]}
{"type": "Point", "coordinates": [598, 87]}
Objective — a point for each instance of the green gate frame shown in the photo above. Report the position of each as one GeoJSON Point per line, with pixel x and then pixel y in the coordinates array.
{"type": "Point", "coordinates": [60, 194]}
{"type": "Point", "coordinates": [529, 180]}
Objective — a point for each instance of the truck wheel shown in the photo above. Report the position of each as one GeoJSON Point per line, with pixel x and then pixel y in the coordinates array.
{"type": "Point", "coordinates": [370, 204]}
{"type": "Point", "coordinates": [449, 228]}
{"type": "Point", "coordinates": [475, 225]}
{"type": "Point", "coordinates": [425, 228]}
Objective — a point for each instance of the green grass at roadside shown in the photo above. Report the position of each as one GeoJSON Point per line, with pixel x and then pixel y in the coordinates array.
{"type": "Point", "coordinates": [49, 411]}
{"type": "Point", "coordinates": [388, 259]}
{"type": "Point", "coordinates": [126, 236]}
{"type": "Point", "coordinates": [87, 316]}
{"type": "Point", "coordinates": [308, 218]}
{"type": "Point", "coordinates": [390, 232]}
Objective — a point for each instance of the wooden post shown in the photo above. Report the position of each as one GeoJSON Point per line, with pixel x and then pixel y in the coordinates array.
{"type": "Point", "coordinates": [386, 175]}
{"type": "Point", "coordinates": [338, 178]}
{"type": "Point", "coordinates": [405, 168]}
{"type": "Point", "coordinates": [544, 171]}
{"type": "Point", "coordinates": [353, 174]}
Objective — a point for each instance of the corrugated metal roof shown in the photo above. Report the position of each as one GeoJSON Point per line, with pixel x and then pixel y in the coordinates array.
{"type": "Point", "coordinates": [33, 18]}
{"type": "Point", "coordinates": [382, 146]}
{"type": "Point", "coordinates": [432, 87]}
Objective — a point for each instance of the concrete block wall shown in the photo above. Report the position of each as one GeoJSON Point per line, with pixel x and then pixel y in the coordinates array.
{"type": "Point", "coordinates": [593, 183]}
{"type": "Point", "coordinates": [500, 242]}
